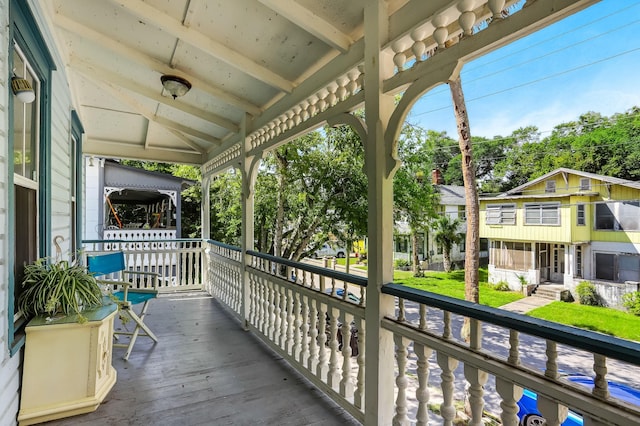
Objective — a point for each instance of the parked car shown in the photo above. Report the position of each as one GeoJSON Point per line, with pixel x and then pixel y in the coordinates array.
{"type": "Point", "coordinates": [530, 416]}
{"type": "Point", "coordinates": [327, 250]}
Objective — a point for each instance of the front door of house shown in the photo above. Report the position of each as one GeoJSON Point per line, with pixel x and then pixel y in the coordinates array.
{"type": "Point", "coordinates": [543, 261]}
{"type": "Point", "coordinates": [557, 267]}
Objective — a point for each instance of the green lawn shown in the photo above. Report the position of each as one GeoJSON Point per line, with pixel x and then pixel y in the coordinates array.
{"type": "Point", "coordinates": [452, 284]}
{"type": "Point", "coordinates": [343, 261]}
{"type": "Point", "coordinates": [604, 320]}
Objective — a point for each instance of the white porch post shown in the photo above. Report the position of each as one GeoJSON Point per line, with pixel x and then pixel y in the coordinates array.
{"type": "Point", "coordinates": [248, 170]}
{"type": "Point", "coordinates": [379, 346]}
{"type": "Point", "coordinates": [205, 214]}
{"type": "Point", "coordinates": [205, 221]}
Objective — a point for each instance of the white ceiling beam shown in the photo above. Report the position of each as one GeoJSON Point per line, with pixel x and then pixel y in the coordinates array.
{"type": "Point", "coordinates": [104, 148]}
{"type": "Point", "coordinates": [149, 62]}
{"type": "Point", "coordinates": [166, 23]}
{"type": "Point", "coordinates": [91, 69]}
{"type": "Point", "coordinates": [146, 113]}
{"type": "Point", "coordinates": [311, 23]}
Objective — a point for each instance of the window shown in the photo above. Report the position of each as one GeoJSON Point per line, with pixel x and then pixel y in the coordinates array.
{"type": "Point", "coordinates": [462, 212]}
{"type": "Point", "coordinates": [76, 181]}
{"type": "Point", "coordinates": [28, 212]}
{"type": "Point", "coordinates": [578, 261]}
{"type": "Point", "coordinates": [501, 214]}
{"type": "Point", "coordinates": [542, 214]}
{"type": "Point", "coordinates": [511, 255]}
{"type": "Point", "coordinates": [617, 267]}
{"type": "Point", "coordinates": [550, 186]}
{"type": "Point", "coordinates": [581, 219]}
{"type": "Point", "coordinates": [585, 184]}
{"type": "Point", "coordinates": [618, 216]}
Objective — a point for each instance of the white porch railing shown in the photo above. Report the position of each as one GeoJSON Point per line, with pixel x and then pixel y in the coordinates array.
{"type": "Point", "coordinates": [436, 370]}
{"type": "Point", "coordinates": [140, 234]}
{"type": "Point", "coordinates": [295, 308]}
{"type": "Point", "coordinates": [178, 262]}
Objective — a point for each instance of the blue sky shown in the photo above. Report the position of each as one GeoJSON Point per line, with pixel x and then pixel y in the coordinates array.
{"type": "Point", "coordinates": [587, 62]}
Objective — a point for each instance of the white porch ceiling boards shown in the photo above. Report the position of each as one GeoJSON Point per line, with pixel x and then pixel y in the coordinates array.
{"type": "Point", "coordinates": [280, 63]}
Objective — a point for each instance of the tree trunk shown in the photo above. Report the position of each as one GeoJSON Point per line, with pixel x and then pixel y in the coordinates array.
{"type": "Point", "coordinates": [414, 248]}
{"type": "Point", "coordinates": [472, 253]}
{"type": "Point", "coordinates": [446, 261]}
{"type": "Point", "coordinates": [277, 234]}
{"type": "Point", "coordinates": [348, 255]}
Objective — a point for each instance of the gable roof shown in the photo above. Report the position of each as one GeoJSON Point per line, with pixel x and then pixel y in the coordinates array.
{"type": "Point", "coordinates": [563, 170]}
{"type": "Point", "coordinates": [451, 195]}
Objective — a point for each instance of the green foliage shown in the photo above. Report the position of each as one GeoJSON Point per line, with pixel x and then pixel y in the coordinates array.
{"type": "Point", "coordinates": [587, 294]}
{"type": "Point", "coordinates": [452, 284]}
{"type": "Point", "coordinates": [418, 274]}
{"type": "Point", "coordinates": [400, 263]}
{"type": "Point", "coordinates": [595, 318]}
{"type": "Point", "coordinates": [61, 287]}
{"type": "Point", "coordinates": [631, 301]}
{"type": "Point", "coordinates": [501, 286]}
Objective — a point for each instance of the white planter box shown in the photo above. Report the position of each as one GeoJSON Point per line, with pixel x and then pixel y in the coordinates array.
{"type": "Point", "coordinates": [67, 366]}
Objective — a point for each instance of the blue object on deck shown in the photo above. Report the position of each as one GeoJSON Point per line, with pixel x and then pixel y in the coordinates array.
{"type": "Point", "coordinates": [112, 263]}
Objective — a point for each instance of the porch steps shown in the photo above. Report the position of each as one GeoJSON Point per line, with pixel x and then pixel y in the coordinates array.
{"type": "Point", "coordinates": [552, 292]}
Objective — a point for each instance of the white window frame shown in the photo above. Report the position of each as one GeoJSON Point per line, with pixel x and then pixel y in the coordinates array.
{"type": "Point", "coordinates": [541, 208]}
{"type": "Point", "coordinates": [499, 214]}
{"type": "Point", "coordinates": [581, 215]}
{"type": "Point", "coordinates": [585, 184]}
{"type": "Point", "coordinates": [550, 186]}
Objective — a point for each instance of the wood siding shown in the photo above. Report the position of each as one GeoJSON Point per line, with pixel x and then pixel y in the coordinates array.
{"type": "Point", "coordinates": [9, 366]}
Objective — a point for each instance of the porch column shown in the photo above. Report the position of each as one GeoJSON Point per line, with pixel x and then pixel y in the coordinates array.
{"type": "Point", "coordinates": [205, 214]}
{"type": "Point", "coordinates": [205, 221]}
{"type": "Point", "coordinates": [380, 165]}
{"type": "Point", "coordinates": [248, 170]}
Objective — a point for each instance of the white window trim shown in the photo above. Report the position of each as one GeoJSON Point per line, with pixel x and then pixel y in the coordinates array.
{"type": "Point", "coordinates": [541, 206]}
{"type": "Point", "coordinates": [501, 209]}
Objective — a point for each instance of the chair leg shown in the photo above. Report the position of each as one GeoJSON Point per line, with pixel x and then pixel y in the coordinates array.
{"type": "Point", "coordinates": [139, 320]}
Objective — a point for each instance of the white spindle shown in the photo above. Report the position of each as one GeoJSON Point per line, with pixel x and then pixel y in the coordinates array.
{"type": "Point", "coordinates": [552, 360]}
{"type": "Point", "coordinates": [358, 395]}
{"type": "Point", "coordinates": [312, 362]}
{"type": "Point", "coordinates": [510, 394]}
{"type": "Point", "coordinates": [601, 387]}
{"type": "Point", "coordinates": [422, 393]}
{"type": "Point", "coordinates": [400, 417]}
{"type": "Point", "coordinates": [447, 365]}
{"type": "Point", "coordinates": [552, 411]}
{"type": "Point", "coordinates": [477, 379]}
{"type": "Point", "coordinates": [346, 383]}
{"type": "Point", "coordinates": [334, 376]}
{"type": "Point", "coordinates": [322, 368]}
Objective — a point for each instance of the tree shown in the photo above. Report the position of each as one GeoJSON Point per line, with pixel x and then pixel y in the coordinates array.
{"type": "Point", "coordinates": [472, 253]}
{"type": "Point", "coordinates": [414, 197]}
{"type": "Point", "coordinates": [446, 234]}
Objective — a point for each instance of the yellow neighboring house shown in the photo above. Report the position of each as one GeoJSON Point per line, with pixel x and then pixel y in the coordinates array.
{"type": "Point", "coordinates": [566, 227]}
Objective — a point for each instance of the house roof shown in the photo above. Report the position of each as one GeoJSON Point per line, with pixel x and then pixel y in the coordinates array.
{"type": "Point", "coordinates": [451, 195]}
{"type": "Point", "coordinates": [119, 175]}
{"type": "Point", "coordinates": [607, 179]}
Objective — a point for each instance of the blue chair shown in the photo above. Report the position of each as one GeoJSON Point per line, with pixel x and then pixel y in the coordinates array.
{"type": "Point", "coordinates": [126, 292]}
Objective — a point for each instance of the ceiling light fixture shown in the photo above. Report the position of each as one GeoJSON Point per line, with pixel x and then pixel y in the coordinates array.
{"type": "Point", "coordinates": [176, 86]}
{"type": "Point", "coordinates": [22, 89]}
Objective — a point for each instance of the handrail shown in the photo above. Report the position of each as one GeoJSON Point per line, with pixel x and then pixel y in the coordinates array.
{"type": "Point", "coordinates": [223, 245]}
{"type": "Point", "coordinates": [173, 240]}
{"type": "Point", "coordinates": [608, 346]}
{"type": "Point", "coordinates": [341, 276]}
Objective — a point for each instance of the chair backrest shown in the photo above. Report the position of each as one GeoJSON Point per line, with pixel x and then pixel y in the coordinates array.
{"type": "Point", "coordinates": [103, 264]}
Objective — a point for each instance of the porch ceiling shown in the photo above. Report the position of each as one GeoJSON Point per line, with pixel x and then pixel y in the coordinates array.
{"type": "Point", "coordinates": [259, 59]}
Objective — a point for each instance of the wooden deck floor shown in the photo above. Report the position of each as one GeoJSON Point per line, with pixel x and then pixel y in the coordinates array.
{"type": "Point", "coordinates": [205, 370]}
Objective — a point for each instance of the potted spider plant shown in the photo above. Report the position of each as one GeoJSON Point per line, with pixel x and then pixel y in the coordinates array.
{"type": "Point", "coordinates": [69, 341]}
{"type": "Point", "coordinates": [58, 289]}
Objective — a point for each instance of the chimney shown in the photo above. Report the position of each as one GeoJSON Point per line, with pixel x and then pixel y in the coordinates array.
{"type": "Point", "coordinates": [436, 177]}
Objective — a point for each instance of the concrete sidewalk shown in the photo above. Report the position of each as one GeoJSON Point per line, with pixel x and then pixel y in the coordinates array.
{"type": "Point", "coordinates": [525, 305]}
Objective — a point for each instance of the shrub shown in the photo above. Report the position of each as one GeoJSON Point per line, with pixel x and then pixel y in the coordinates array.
{"type": "Point", "coordinates": [400, 263]}
{"type": "Point", "coordinates": [501, 286]}
{"type": "Point", "coordinates": [631, 301]}
{"type": "Point", "coordinates": [587, 294]}
{"type": "Point", "coordinates": [418, 274]}
{"type": "Point", "coordinates": [363, 255]}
